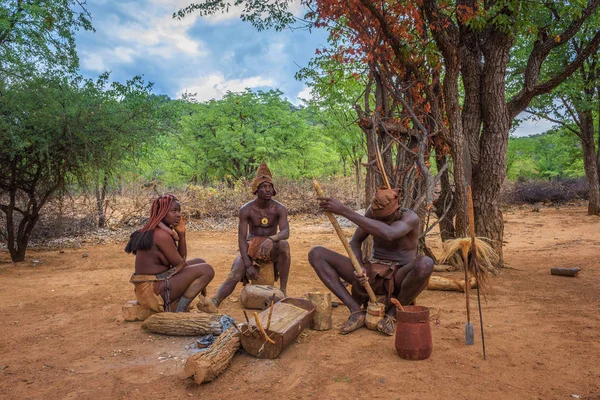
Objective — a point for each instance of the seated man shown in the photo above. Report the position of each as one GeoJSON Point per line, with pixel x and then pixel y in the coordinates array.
{"type": "Point", "coordinates": [258, 239]}
{"type": "Point", "coordinates": [162, 275]}
{"type": "Point", "coordinates": [395, 269]}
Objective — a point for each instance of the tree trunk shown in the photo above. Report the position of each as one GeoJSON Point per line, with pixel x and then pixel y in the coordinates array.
{"type": "Point", "coordinates": [100, 199]}
{"type": "Point", "coordinates": [184, 324]}
{"type": "Point", "coordinates": [590, 164]}
{"type": "Point", "coordinates": [490, 173]}
{"type": "Point", "coordinates": [358, 186]}
{"type": "Point", "coordinates": [208, 365]}
{"type": "Point", "coordinates": [444, 202]}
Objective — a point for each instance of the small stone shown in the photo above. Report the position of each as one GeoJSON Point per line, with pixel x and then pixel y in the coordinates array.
{"type": "Point", "coordinates": [575, 396]}
{"type": "Point", "coordinates": [62, 252]}
{"type": "Point", "coordinates": [84, 255]}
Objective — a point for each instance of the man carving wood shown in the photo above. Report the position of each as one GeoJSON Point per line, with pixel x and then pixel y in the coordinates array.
{"type": "Point", "coordinates": [258, 238]}
{"type": "Point", "coordinates": [395, 270]}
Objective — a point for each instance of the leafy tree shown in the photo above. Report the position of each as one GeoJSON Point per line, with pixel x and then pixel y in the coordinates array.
{"type": "Point", "coordinates": [228, 138]}
{"type": "Point", "coordinates": [54, 129]}
{"type": "Point", "coordinates": [575, 107]}
{"type": "Point", "coordinates": [39, 34]}
{"type": "Point", "coordinates": [474, 42]}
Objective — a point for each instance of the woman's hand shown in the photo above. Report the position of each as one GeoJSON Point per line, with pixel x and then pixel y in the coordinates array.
{"type": "Point", "coordinates": [180, 228]}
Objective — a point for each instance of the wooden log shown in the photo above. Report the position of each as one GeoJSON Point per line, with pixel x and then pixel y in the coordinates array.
{"type": "Point", "coordinates": [322, 318]}
{"type": "Point", "coordinates": [184, 324]}
{"type": "Point", "coordinates": [259, 297]}
{"type": "Point", "coordinates": [133, 311]}
{"type": "Point", "coordinates": [208, 365]}
{"type": "Point", "coordinates": [266, 274]}
{"type": "Point", "coordinates": [443, 268]}
{"type": "Point", "coordinates": [451, 284]}
{"type": "Point", "coordinates": [565, 271]}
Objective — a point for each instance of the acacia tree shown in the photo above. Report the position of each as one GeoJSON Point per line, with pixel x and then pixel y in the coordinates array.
{"type": "Point", "coordinates": [54, 129]}
{"type": "Point", "coordinates": [38, 35]}
{"type": "Point", "coordinates": [575, 107]}
{"type": "Point", "coordinates": [474, 40]}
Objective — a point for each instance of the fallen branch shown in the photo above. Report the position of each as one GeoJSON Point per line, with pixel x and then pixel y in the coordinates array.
{"type": "Point", "coordinates": [208, 365]}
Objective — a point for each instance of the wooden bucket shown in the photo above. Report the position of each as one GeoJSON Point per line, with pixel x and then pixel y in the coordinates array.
{"type": "Point", "coordinates": [413, 333]}
{"type": "Point", "coordinates": [290, 317]}
{"type": "Point", "coordinates": [266, 273]}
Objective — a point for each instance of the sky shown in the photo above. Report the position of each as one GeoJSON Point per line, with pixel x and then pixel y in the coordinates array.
{"type": "Point", "coordinates": [207, 56]}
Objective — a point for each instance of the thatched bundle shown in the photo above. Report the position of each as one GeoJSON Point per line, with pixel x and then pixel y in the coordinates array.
{"type": "Point", "coordinates": [458, 251]}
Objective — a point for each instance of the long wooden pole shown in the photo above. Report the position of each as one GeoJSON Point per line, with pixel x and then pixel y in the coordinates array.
{"type": "Point", "coordinates": [474, 259]}
{"type": "Point", "coordinates": [338, 230]}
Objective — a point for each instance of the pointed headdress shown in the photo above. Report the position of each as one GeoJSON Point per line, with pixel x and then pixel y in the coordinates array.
{"type": "Point", "coordinates": [262, 175]}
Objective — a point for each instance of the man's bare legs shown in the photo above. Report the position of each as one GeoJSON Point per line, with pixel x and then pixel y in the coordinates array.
{"type": "Point", "coordinates": [281, 253]}
{"type": "Point", "coordinates": [238, 270]}
{"type": "Point", "coordinates": [331, 268]}
{"type": "Point", "coordinates": [409, 282]}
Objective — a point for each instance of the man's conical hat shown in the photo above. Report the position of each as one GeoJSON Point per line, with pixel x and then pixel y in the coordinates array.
{"type": "Point", "coordinates": [262, 175]}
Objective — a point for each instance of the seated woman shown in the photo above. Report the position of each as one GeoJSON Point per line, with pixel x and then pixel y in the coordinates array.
{"type": "Point", "coordinates": [162, 275]}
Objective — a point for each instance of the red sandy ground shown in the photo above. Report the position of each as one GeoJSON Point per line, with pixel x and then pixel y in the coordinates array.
{"type": "Point", "coordinates": [63, 335]}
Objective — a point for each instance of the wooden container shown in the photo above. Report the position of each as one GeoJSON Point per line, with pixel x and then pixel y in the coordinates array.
{"type": "Point", "coordinates": [266, 273]}
{"type": "Point", "coordinates": [413, 333]}
{"type": "Point", "coordinates": [323, 308]}
{"type": "Point", "coordinates": [259, 296]}
{"type": "Point", "coordinates": [375, 312]}
{"type": "Point", "coordinates": [290, 317]}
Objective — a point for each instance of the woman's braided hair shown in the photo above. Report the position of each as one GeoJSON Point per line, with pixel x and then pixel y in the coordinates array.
{"type": "Point", "coordinates": [143, 239]}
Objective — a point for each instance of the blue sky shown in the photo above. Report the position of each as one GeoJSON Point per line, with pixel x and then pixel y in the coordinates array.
{"type": "Point", "coordinates": [203, 55]}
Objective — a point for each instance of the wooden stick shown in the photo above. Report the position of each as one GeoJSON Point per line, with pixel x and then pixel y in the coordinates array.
{"type": "Point", "coordinates": [261, 329]}
{"type": "Point", "coordinates": [397, 303]}
{"type": "Point", "coordinates": [271, 312]}
{"type": "Point", "coordinates": [380, 163]}
{"type": "Point", "coordinates": [474, 261]}
{"type": "Point", "coordinates": [338, 230]}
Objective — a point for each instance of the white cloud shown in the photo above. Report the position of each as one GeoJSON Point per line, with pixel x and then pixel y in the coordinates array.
{"type": "Point", "coordinates": [303, 95]}
{"type": "Point", "coordinates": [215, 86]}
{"type": "Point", "coordinates": [92, 62]}
{"type": "Point", "coordinates": [529, 127]}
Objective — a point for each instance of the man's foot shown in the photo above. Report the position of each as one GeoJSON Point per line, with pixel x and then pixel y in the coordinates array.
{"type": "Point", "coordinates": [206, 305]}
{"type": "Point", "coordinates": [386, 325]}
{"type": "Point", "coordinates": [355, 321]}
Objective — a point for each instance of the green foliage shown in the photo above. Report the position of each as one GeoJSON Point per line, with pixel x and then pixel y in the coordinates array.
{"type": "Point", "coordinates": [56, 128]}
{"type": "Point", "coordinates": [35, 35]}
{"type": "Point", "coordinates": [227, 139]}
{"type": "Point", "coordinates": [552, 155]}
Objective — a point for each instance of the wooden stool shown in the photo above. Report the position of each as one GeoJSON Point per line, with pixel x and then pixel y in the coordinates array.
{"type": "Point", "coordinates": [266, 273]}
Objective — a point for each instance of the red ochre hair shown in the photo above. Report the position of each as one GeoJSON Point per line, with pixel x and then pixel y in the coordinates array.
{"type": "Point", "coordinates": [160, 208]}
{"type": "Point", "coordinates": [143, 239]}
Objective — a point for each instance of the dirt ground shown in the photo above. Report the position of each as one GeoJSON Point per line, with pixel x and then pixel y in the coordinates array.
{"type": "Point", "coordinates": [63, 334]}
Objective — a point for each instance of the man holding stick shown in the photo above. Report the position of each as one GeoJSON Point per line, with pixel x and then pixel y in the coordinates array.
{"type": "Point", "coordinates": [395, 269]}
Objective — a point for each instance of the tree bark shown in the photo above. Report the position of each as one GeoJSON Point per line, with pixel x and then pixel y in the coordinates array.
{"type": "Point", "coordinates": [100, 199]}
{"type": "Point", "coordinates": [184, 324]}
{"type": "Point", "coordinates": [590, 165]}
{"type": "Point", "coordinates": [208, 365]}
{"type": "Point", "coordinates": [490, 173]}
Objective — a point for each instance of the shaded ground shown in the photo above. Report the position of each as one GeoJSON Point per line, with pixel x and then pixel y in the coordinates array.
{"type": "Point", "coordinates": [63, 335]}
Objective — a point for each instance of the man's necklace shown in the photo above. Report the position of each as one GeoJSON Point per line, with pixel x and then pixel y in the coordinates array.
{"type": "Point", "coordinates": [264, 219]}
